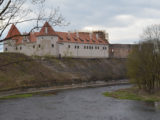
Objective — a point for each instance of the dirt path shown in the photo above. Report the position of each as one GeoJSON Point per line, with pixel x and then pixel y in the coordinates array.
{"type": "Point", "coordinates": [65, 87]}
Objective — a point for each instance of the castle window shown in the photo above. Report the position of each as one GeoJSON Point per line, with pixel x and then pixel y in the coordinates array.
{"type": "Point", "coordinates": [95, 47]}
{"type": "Point", "coordinates": [68, 37]}
{"type": "Point", "coordinates": [90, 47]}
{"type": "Point", "coordinates": [69, 46]}
{"type": "Point", "coordinates": [81, 39]}
{"type": "Point", "coordinates": [33, 46]}
{"type": "Point", "coordinates": [104, 48]}
{"type": "Point", "coordinates": [20, 48]}
{"type": "Point", "coordinates": [87, 40]}
{"type": "Point", "coordinates": [77, 47]}
{"type": "Point", "coordinates": [75, 39]}
{"type": "Point", "coordinates": [52, 45]}
{"type": "Point", "coordinates": [84, 47]}
{"type": "Point", "coordinates": [39, 46]}
{"type": "Point", "coordinates": [16, 48]}
{"type": "Point", "coordinates": [6, 49]}
{"type": "Point", "coordinates": [60, 38]}
{"type": "Point", "coordinates": [87, 47]}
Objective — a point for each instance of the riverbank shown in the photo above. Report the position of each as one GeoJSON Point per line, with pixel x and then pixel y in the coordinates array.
{"type": "Point", "coordinates": [45, 90]}
{"type": "Point", "coordinates": [134, 93]}
{"type": "Point", "coordinates": [18, 71]}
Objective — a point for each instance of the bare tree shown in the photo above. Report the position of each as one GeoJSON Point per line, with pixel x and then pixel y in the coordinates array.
{"type": "Point", "coordinates": [151, 33]}
{"type": "Point", "coordinates": [33, 12]}
{"type": "Point", "coordinates": [19, 11]}
{"type": "Point", "coordinates": [144, 61]}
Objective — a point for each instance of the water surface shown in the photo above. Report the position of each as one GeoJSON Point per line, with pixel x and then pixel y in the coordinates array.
{"type": "Point", "coordinates": [78, 104]}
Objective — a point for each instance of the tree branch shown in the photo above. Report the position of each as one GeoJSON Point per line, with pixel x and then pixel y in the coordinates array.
{"type": "Point", "coordinates": [5, 8]}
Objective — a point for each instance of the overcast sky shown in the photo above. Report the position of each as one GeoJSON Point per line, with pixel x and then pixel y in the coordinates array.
{"type": "Point", "coordinates": [124, 20]}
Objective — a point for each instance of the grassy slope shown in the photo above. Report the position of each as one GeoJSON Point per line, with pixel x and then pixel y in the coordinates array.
{"type": "Point", "coordinates": [20, 71]}
{"type": "Point", "coordinates": [89, 69]}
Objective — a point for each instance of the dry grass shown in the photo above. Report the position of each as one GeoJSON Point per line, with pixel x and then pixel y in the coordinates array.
{"type": "Point", "coordinates": [18, 71]}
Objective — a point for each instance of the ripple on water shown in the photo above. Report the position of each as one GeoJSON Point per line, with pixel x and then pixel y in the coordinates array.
{"type": "Point", "coordinates": [78, 104]}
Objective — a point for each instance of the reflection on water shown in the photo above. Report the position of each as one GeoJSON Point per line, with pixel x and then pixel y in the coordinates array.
{"type": "Point", "coordinates": [150, 104]}
{"type": "Point", "coordinates": [79, 104]}
{"type": "Point", "coordinates": [156, 105]}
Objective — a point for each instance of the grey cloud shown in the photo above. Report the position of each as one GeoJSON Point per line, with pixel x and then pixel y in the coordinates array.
{"type": "Point", "coordinates": [82, 13]}
{"type": "Point", "coordinates": [103, 13]}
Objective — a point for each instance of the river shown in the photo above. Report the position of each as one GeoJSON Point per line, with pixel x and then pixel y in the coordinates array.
{"type": "Point", "coordinates": [78, 104]}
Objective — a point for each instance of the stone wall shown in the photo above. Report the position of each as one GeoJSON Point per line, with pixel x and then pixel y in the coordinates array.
{"type": "Point", "coordinates": [119, 50]}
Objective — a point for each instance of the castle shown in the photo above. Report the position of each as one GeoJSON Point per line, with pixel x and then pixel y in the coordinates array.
{"type": "Point", "coordinates": [48, 42]}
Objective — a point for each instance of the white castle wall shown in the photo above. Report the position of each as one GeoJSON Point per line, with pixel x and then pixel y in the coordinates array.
{"type": "Point", "coordinates": [9, 46]}
{"type": "Point", "coordinates": [80, 50]}
{"type": "Point", "coordinates": [44, 46]}
{"type": "Point", "coordinates": [49, 46]}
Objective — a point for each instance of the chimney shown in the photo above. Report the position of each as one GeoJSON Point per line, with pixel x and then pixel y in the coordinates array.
{"type": "Point", "coordinates": [69, 35]}
{"type": "Point", "coordinates": [77, 34]}
{"type": "Point", "coordinates": [46, 30]}
{"type": "Point", "coordinates": [107, 36]}
{"type": "Point", "coordinates": [101, 34]}
{"type": "Point", "coordinates": [90, 35]}
{"type": "Point", "coordinates": [97, 36]}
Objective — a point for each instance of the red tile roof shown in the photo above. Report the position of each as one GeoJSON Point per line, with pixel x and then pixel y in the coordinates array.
{"type": "Point", "coordinates": [50, 30]}
{"type": "Point", "coordinates": [79, 37]}
{"type": "Point", "coordinates": [33, 36]}
{"type": "Point", "coordinates": [14, 33]}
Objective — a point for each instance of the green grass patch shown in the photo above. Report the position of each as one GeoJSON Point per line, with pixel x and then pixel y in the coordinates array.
{"type": "Point", "coordinates": [133, 94]}
{"type": "Point", "coordinates": [16, 96]}
{"type": "Point", "coordinates": [27, 95]}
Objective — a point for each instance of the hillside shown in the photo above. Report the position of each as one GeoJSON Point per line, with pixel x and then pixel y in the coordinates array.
{"type": "Point", "coordinates": [20, 71]}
